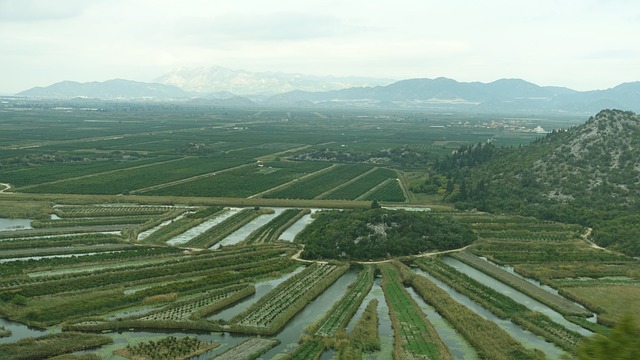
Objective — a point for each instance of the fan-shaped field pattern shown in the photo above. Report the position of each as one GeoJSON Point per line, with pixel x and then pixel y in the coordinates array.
{"type": "Point", "coordinates": [361, 185]}
{"type": "Point", "coordinates": [314, 186]}
{"type": "Point", "coordinates": [243, 182]}
{"type": "Point", "coordinates": [124, 181]}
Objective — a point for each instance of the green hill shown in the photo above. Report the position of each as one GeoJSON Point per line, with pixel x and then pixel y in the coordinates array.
{"type": "Point", "coordinates": [589, 174]}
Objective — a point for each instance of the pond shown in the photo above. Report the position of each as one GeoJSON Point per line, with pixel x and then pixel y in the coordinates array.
{"type": "Point", "coordinates": [15, 224]}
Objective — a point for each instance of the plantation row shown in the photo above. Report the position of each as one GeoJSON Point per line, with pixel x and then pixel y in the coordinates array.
{"type": "Point", "coordinates": [220, 231]}
{"type": "Point", "coordinates": [271, 231]}
{"type": "Point", "coordinates": [502, 305]}
{"type": "Point", "coordinates": [513, 252]}
{"type": "Point", "coordinates": [179, 225]}
{"type": "Point", "coordinates": [56, 172]}
{"type": "Point", "coordinates": [65, 307]}
{"type": "Point", "coordinates": [391, 191]}
{"type": "Point", "coordinates": [248, 349]}
{"type": "Point", "coordinates": [554, 301]}
{"type": "Point", "coordinates": [526, 235]}
{"type": "Point", "coordinates": [167, 348]}
{"type": "Point", "coordinates": [361, 185]}
{"type": "Point", "coordinates": [338, 317]}
{"type": "Point", "coordinates": [124, 181]}
{"type": "Point", "coordinates": [316, 185]}
{"type": "Point", "coordinates": [414, 336]}
{"type": "Point", "coordinates": [187, 266]}
{"type": "Point", "coordinates": [108, 211]}
{"type": "Point", "coordinates": [243, 182]}
{"type": "Point", "coordinates": [487, 338]}
{"type": "Point", "coordinates": [201, 306]}
{"type": "Point", "coordinates": [70, 222]}
{"type": "Point", "coordinates": [273, 311]}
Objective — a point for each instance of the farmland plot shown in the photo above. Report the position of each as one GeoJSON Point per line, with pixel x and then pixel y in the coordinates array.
{"type": "Point", "coordinates": [273, 311]}
{"type": "Point", "coordinates": [414, 335]}
{"type": "Point", "coordinates": [314, 186]}
{"type": "Point", "coordinates": [556, 302]}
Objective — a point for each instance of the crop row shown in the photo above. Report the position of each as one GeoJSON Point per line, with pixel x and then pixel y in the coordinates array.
{"type": "Point", "coordinates": [124, 220]}
{"type": "Point", "coordinates": [78, 250]}
{"type": "Point", "coordinates": [414, 335]}
{"type": "Point", "coordinates": [243, 182]}
{"type": "Point", "coordinates": [512, 252]}
{"type": "Point", "coordinates": [342, 311]}
{"type": "Point", "coordinates": [27, 266]}
{"type": "Point", "coordinates": [365, 333]}
{"type": "Point", "coordinates": [96, 211]}
{"type": "Point", "coordinates": [275, 309]}
{"type": "Point", "coordinates": [391, 191]}
{"type": "Point", "coordinates": [180, 225]}
{"type": "Point", "coordinates": [55, 172]}
{"type": "Point", "coordinates": [361, 185]}
{"type": "Point", "coordinates": [308, 350]}
{"type": "Point", "coordinates": [501, 305]}
{"type": "Point", "coordinates": [526, 235]}
{"type": "Point", "coordinates": [95, 301]}
{"type": "Point", "coordinates": [187, 267]}
{"type": "Point", "coordinates": [272, 230]}
{"type": "Point", "coordinates": [124, 181]}
{"type": "Point", "coordinates": [201, 306]}
{"type": "Point", "coordinates": [554, 301]}
{"type": "Point", "coordinates": [314, 186]}
{"type": "Point", "coordinates": [249, 349]}
{"type": "Point", "coordinates": [487, 338]}
{"type": "Point", "coordinates": [220, 231]}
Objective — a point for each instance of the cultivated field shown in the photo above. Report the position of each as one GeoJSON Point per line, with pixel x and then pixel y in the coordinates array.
{"type": "Point", "coordinates": [121, 209]}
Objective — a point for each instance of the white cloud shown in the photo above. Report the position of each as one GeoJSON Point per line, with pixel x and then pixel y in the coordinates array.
{"type": "Point", "coordinates": [584, 44]}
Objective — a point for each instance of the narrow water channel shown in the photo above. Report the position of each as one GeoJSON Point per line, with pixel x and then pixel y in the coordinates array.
{"type": "Point", "coordinates": [199, 229]}
{"type": "Point", "coordinates": [19, 331]}
{"type": "Point", "coordinates": [459, 348]}
{"type": "Point", "coordinates": [243, 232]}
{"type": "Point", "coordinates": [515, 295]}
{"type": "Point", "coordinates": [294, 229]}
{"type": "Point", "coordinates": [526, 338]}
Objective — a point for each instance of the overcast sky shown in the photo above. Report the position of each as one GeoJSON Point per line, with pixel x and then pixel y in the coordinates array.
{"type": "Point", "coordinates": [581, 44]}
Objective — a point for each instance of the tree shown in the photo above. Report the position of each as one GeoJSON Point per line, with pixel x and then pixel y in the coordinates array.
{"type": "Point", "coordinates": [622, 344]}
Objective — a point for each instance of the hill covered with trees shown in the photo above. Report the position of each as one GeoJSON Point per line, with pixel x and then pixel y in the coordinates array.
{"type": "Point", "coordinates": [374, 234]}
{"type": "Point", "coordinates": [589, 175]}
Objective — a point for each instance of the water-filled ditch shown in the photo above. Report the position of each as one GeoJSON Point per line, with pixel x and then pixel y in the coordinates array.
{"type": "Point", "coordinates": [528, 339]}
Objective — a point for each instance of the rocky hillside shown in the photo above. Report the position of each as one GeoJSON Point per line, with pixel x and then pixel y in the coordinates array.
{"type": "Point", "coordinates": [589, 174]}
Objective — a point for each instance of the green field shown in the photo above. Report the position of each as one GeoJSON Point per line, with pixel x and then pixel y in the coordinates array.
{"type": "Point", "coordinates": [107, 189]}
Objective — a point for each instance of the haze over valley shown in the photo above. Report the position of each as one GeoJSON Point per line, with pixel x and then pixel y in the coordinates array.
{"type": "Point", "coordinates": [319, 180]}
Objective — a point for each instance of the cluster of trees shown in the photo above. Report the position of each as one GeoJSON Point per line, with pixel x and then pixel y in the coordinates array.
{"type": "Point", "coordinates": [368, 234]}
{"type": "Point", "coordinates": [401, 157]}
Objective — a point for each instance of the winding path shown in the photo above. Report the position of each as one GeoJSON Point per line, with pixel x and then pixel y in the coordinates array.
{"type": "Point", "coordinates": [296, 256]}
{"type": "Point", "coordinates": [6, 187]}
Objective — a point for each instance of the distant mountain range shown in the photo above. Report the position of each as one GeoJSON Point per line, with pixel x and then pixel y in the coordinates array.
{"type": "Point", "coordinates": [441, 94]}
{"type": "Point", "coordinates": [216, 79]}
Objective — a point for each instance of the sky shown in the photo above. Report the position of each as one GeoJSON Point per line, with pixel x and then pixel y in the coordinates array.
{"type": "Point", "coordinates": [580, 44]}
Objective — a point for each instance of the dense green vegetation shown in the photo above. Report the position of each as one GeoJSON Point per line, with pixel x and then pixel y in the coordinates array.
{"type": "Point", "coordinates": [586, 175]}
{"type": "Point", "coordinates": [164, 169]}
{"type": "Point", "coordinates": [414, 334]}
{"type": "Point", "coordinates": [166, 348]}
{"type": "Point", "coordinates": [501, 305]}
{"type": "Point", "coordinates": [379, 233]}
{"type": "Point", "coordinates": [489, 340]}
{"type": "Point", "coordinates": [51, 345]}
